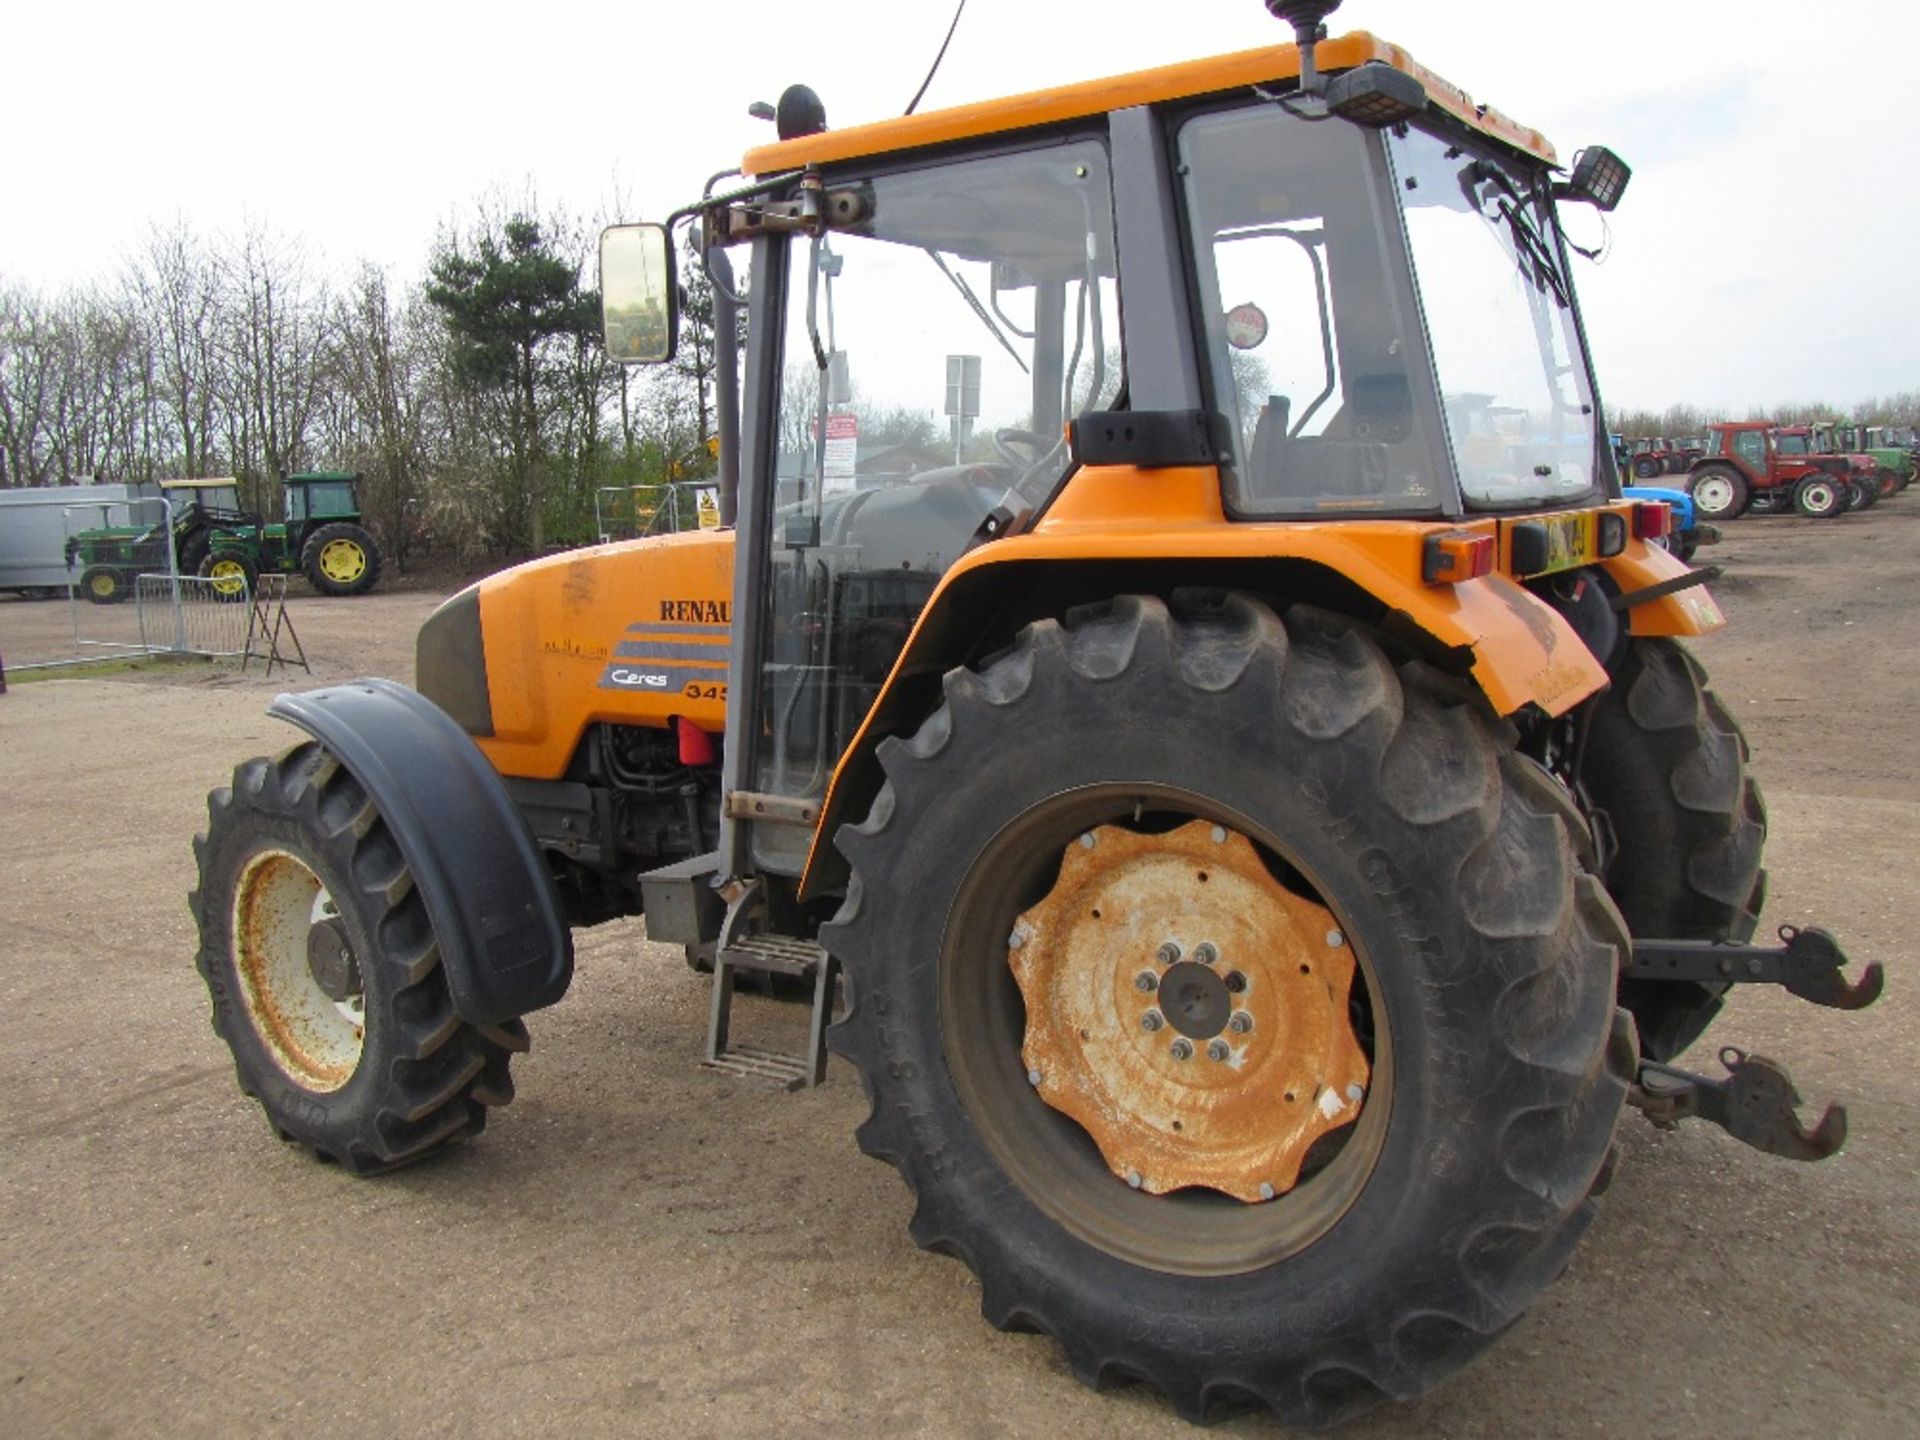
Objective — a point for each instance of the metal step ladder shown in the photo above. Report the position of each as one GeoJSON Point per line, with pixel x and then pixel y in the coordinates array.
{"type": "Point", "coordinates": [772, 955]}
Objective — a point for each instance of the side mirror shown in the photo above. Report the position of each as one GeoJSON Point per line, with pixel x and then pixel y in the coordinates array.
{"type": "Point", "coordinates": [639, 294]}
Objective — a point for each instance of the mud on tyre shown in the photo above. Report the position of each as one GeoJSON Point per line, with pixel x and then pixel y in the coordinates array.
{"type": "Point", "coordinates": [325, 978]}
{"type": "Point", "coordinates": [1486, 967]}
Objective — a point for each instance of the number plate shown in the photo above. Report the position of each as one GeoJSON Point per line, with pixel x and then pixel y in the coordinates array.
{"type": "Point", "coordinates": [1571, 540]}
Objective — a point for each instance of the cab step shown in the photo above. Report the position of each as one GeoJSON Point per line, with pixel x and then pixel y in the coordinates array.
{"type": "Point", "coordinates": [772, 955]}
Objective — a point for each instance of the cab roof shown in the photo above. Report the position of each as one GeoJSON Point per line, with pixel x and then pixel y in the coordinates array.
{"type": "Point", "coordinates": [1185, 80]}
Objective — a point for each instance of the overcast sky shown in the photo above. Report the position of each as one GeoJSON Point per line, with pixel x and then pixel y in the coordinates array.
{"type": "Point", "coordinates": [1765, 252]}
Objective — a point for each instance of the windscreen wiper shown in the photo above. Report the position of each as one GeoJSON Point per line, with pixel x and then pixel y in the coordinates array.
{"type": "Point", "coordinates": [1531, 250]}
{"type": "Point", "coordinates": [973, 304]}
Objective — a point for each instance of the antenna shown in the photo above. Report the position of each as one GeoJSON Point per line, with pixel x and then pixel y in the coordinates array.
{"type": "Point", "coordinates": [913, 103]}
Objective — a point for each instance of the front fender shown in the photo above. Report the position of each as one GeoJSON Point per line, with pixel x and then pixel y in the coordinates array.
{"type": "Point", "coordinates": [495, 915]}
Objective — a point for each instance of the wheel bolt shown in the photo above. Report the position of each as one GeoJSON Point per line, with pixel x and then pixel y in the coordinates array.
{"type": "Point", "coordinates": [1217, 1050]}
{"type": "Point", "coordinates": [1236, 982]}
{"type": "Point", "coordinates": [1146, 980]}
{"type": "Point", "coordinates": [1033, 1078]}
{"type": "Point", "coordinates": [1204, 952]}
{"type": "Point", "coordinates": [1335, 939]}
{"type": "Point", "coordinates": [1183, 1049]}
{"type": "Point", "coordinates": [1168, 953]}
{"type": "Point", "coordinates": [1266, 1191]}
{"type": "Point", "coordinates": [1152, 1021]}
{"type": "Point", "coordinates": [1240, 1022]}
{"type": "Point", "coordinates": [1133, 1179]}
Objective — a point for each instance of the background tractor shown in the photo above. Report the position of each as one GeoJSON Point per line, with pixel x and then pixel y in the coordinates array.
{"type": "Point", "coordinates": [214, 535]}
{"type": "Point", "coordinates": [109, 558]}
{"type": "Point", "coordinates": [320, 537]}
{"type": "Point", "coordinates": [1264, 833]}
{"type": "Point", "coordinates": [1748, 466]}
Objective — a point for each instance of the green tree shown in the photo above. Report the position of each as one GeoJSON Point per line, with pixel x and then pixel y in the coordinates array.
{"type": "Point", "coordinates": [507, 298]}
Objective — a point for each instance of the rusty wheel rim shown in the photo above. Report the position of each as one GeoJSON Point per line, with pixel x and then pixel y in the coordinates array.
{"type": "Point", "coordinates": [1197, 1208]}
{"type": "Point", "coordinates": [1188, 1011]}
{"type": "Point", "coordinates": [298, 977]}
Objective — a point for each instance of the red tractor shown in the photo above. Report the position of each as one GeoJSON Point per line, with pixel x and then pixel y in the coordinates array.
{"type": "Point", "coordinates": [1753, 465]}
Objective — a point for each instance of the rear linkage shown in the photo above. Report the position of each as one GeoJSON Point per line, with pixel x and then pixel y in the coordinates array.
{"type": "Point", "coordinates": [1756, 1103]}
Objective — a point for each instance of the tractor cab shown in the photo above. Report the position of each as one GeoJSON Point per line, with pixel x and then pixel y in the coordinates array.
{"type": "Point", "coordinates": [1342, 301]}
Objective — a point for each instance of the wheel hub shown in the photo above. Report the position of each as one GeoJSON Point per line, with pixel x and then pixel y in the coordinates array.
{"type": "Point", "coordinates": [1188, 1010]}
{"type": "Point", "coordinates": [330, 961]}
{"type": "Point", "coordinates": [342, 560]}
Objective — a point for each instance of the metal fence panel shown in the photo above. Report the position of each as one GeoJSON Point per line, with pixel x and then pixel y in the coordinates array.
{"type": "Point", "coordinates": [196, 619]}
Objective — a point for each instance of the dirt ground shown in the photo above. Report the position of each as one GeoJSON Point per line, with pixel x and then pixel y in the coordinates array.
{"type": "Point", "coordinates": [637, 1246]}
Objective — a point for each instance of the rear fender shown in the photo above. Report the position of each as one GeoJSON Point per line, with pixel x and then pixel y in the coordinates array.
{"type": "Point", "coordinates": [495, 914]}
{"type": "Point", "coordinates": [1518, 651]}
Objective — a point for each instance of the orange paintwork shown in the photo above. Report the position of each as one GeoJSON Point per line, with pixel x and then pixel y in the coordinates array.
{"type": "Point", "coordinates": [1144, 87]}
{"type": "Point", "coordinates": [557, 629]}
{"type": "Point", "coordinates": [1688, 612]}
{"type": "Point", "coordinates": [1523, 652]}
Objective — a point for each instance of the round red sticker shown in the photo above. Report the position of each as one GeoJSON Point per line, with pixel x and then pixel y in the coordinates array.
{"type": "Point", "coordinates": [1246, 326]}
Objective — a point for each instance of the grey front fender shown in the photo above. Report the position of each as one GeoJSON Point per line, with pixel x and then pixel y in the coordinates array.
{"type": "Point", "coordinates": [495, 914]}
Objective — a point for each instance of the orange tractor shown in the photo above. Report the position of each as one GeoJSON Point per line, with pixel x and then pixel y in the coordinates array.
{"type": "Point", "coordinates": [1255, 830]}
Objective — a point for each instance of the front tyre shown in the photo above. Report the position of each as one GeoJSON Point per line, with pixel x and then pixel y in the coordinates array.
{"type": "Point", "coordinates": [103, 585]}
{"type": "Point", "coordinates": [325, 978]}
{"type": "Point", "coordinates": [1819, 497]}
{"type": "Point", "coordinates": [234, 576]}
{"type": "Point", "coordinates": [1056, 997]}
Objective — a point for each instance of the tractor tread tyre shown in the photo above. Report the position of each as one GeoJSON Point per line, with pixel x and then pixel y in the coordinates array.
{"type": "Point", "coordinates": [1809, 491]}
{"type": "Point", "coordinates": [1668, 765]}
{"type": "Point", "coordinates": [1740, 496]}
{"type": "Point", "coordinates": [425, 1077]}
{"type": "Point", "coordinates": [113, 594]}
{"type": "Point", "coordinates": [1447, 852]}
{"type": "Point", "coordinates": [318, 541]}
{"type": "Point", "coordinates": [248, 571]}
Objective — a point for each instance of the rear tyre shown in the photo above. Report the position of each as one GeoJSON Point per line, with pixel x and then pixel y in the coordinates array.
{"type": "Point", "coordinates": [1719, 492]}
{"type": "Point", "coordinates": [103, 585]}
{"type": "Point", "coordinates": [1667, 765]}
{"type": "Point", "coordinates": [341, 559]}
{"type": "Point", "coordinates": [233, 575]}
{"type": "Point", "coordinates": [1485, 963]}
{"type": "Point", "coordinates": [1646, 467]}
{"type": "Point", "coordinates": [1821, 496]}
{"type": "Point", "coordinates": [325, 978]}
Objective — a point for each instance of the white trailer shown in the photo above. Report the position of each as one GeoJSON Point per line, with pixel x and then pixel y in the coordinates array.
{"type": "Point", "coordinates": [35, 523]}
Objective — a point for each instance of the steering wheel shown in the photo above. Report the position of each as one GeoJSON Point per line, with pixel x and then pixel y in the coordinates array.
{"type": "Point", "coordinates": [1038, 446]}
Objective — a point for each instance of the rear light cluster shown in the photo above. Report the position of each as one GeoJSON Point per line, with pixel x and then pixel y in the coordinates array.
{"type": "Point", "coordinates": [1651, 519]}
{"type": "Point", "coordinates": [1457, 555]}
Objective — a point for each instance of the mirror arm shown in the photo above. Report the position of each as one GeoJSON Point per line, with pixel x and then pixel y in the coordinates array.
{"type": "Point", "coordinates": [726, 382]}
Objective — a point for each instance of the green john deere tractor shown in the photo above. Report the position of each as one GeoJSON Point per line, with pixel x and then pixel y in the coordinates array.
{"type": "Point", "coordinates": [321, 537]}
{"type": "Point", "coordinates": [213, 535]}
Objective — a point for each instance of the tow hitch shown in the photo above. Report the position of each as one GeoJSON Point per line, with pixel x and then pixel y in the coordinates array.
{"type": "Point", "coordinates": [1806, 963]}
{"type": "Point", "coordinates": [1756, 1103]}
